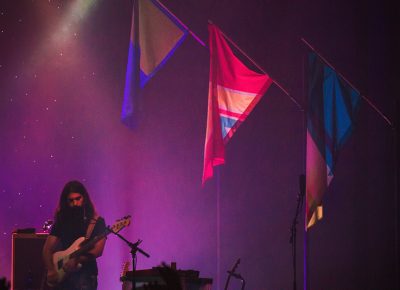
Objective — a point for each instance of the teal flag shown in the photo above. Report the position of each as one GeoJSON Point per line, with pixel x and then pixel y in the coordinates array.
{"type": "Point", "coordinates": [332, 106]}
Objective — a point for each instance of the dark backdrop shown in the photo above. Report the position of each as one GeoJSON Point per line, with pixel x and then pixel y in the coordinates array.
{"type": "Point", "coordinates": [62, 72]}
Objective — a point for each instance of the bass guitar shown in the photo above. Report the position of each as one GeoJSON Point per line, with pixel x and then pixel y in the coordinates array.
{"type": "Point", "coordinates": [80, 246]}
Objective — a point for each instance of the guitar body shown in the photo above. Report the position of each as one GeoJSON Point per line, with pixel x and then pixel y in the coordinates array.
{"type": "Point", "coordinates": [62, 257]}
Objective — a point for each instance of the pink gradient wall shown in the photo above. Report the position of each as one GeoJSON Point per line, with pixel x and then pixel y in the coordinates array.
{"type": "Point", "coordinates": [61, 92]}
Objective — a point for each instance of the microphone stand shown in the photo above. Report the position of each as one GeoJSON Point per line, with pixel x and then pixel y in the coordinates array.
{"type": "Point", "coordinates": [232, 273]}
{"type": "Point", "coordinates": [293, 229]}
{"type": "Point", "coordinates": [238, 276]}
{"type": "Point", "coordinates": [134, 249]}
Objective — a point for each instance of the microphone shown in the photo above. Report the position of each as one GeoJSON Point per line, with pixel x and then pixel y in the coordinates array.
{"type": "Point", "coordinates": [302, 184]}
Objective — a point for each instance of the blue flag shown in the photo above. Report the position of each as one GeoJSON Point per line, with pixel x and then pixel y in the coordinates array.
{"type": "Point", "coordinates": [332, 104]}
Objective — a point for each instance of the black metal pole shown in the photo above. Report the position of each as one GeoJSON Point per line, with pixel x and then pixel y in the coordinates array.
{"type": "Point", "coordinates": [293, 228]}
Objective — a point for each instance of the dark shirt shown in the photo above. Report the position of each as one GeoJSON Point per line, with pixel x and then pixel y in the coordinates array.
{"type": "Point", "coordinates": [68, 234]}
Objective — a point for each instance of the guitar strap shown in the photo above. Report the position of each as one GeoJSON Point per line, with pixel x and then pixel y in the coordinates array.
{"type": "Point", "coordinates": [90, 227]}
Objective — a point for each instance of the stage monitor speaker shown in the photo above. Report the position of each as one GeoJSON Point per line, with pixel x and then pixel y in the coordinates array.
{"type": "Point", "coordinates": [27, 267]}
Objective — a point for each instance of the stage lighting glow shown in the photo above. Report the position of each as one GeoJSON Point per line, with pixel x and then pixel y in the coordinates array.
{"type": "Point", "coordinates": [78, 10]}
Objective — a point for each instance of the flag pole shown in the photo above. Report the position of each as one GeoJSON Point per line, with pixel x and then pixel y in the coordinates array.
{"type": "Point", "coordinates": [182, 24]}
{"type": "Point", "coordinates": [218, 227]}
{"type": "Point", "coordinates": [304, 153]}
{"type": "Point", "coordinates": [261, 69]}
{"type": "Point", "coordinates": [365, 98]}
{"type": "Point", "coordinates": [396, 197]}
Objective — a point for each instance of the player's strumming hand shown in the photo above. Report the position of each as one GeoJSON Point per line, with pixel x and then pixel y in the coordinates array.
{"type": "Point", "coordinates": [72, 265]}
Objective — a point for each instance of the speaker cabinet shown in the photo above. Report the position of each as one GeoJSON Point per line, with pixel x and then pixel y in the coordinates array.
{"type": "Point", "coordinates": [27, 267]}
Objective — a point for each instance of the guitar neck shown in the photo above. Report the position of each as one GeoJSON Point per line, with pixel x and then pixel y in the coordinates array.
{"type": "Point", "coordinates": [88, 245]}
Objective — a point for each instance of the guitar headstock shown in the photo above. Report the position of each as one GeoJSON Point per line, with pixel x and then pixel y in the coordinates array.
{"type": "Point", "coordinates": [120, 224]}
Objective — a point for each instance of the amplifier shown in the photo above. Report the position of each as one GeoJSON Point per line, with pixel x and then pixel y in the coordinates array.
{"type": "Point", "coordinates": [27, 267]}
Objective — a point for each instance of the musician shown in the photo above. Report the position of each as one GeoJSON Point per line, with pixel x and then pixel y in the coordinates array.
{"type": "Point", "coordinates": [75, 217]}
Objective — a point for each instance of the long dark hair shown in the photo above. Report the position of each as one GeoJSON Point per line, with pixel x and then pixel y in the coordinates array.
{"type": "Point", "coordinates": [75, 186]}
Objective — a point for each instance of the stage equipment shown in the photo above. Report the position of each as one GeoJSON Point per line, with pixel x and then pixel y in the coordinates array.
{"type": "Point", "coordinates": [27, 267]}
{"type": "Point", "coordinates": [165, 277]}
{"type": "Point", "coordinates": [232, 273]}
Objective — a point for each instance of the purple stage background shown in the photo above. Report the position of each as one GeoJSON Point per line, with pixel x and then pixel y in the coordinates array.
{"type": "Point", "coordinates": [62, 74]}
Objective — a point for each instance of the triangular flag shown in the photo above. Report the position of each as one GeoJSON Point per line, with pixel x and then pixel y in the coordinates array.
{"type": "Point", "coordinates": [153, 40]}
{"type": "Point", "coordinates": [234, 90]}
{"type": "Point", "coordinates": [332, 104]}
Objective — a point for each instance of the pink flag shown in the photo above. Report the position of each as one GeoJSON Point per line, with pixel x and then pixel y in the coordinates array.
{"type": "Point", "coordinates": [233, 92]}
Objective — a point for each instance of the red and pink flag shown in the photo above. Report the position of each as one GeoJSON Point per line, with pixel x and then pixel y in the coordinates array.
{"type": "Point", "coordinates": [233, 92]}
